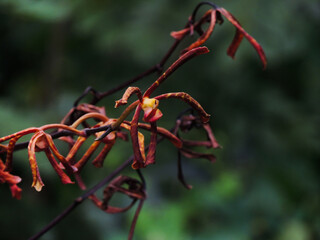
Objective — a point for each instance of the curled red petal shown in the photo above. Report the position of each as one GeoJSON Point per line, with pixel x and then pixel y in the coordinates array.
{"type": "Point", "coordinates": [127, 94]}
{"type": "Point", "coordinates": [204, 37]}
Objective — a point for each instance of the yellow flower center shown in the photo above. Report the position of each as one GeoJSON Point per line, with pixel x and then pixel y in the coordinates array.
{"type": "Point", "coordinates": [149, 103]}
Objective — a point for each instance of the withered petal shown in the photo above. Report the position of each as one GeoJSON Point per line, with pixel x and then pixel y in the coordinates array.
{"type": "Point", "coordinates": [153, 144]}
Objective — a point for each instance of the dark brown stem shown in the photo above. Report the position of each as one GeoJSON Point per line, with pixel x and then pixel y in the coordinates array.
{"type": "Point", "coordinates": [80, 199]}
{"type": "Point", "coordinates": [193, 16]}
{"type": "Point", "coordinates": [134, 220]}
{"type": "Point", "coordinates": [180, 173]}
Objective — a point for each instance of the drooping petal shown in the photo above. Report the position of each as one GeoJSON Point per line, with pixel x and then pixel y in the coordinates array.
{"type": "Point", "coordinates": [138, 161]}
{"type": "Point", "coordinates": [238, 37]}
{"type": "Point", "coordinates": [153, 144]}
{"type": "Point", "coordinates": [37, 181]}
{"type": "Point", "coordinates": [232, 49]}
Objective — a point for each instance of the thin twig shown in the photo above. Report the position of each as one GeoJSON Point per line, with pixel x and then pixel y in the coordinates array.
{"type": "Point", "coordinates": [134, 220]}
{"type": "Point", "coordinates": [80, 199]}
{"type": "Point", "coordinates": [193, 16]}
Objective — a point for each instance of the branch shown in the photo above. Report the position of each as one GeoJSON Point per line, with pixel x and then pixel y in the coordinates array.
{"type": "Point", "coordinates": [80, 199]}
{"type": "Point", "coordinates": [87, 131]}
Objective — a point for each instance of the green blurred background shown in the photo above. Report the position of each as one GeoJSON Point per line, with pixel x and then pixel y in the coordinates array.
{"type": "Point", "coordinates": [265, 183]}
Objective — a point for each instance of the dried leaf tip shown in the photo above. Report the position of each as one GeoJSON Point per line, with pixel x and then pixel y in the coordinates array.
{"type": "Point", "coordinates": [38, 185]}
